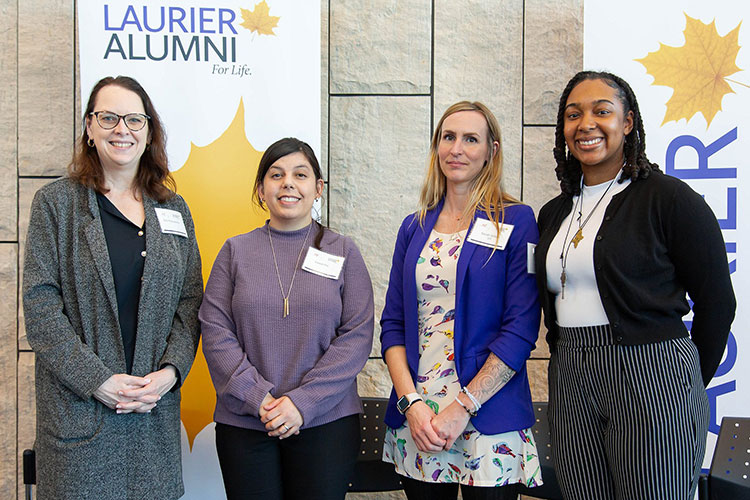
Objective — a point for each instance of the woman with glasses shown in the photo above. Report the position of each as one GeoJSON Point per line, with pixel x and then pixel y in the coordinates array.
{"type": "Point", "coordinates": [112, 286]}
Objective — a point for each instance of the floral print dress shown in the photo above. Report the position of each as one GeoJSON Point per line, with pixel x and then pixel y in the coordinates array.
{"type": "Point", "coordinates": [475, 459]}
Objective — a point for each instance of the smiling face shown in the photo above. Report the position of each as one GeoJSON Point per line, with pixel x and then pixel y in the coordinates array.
{"type": "Point", "coordinates": [464, 148]}
{"type": "Point", "coordinates": [119, 148]}
{"type": "Point", "coordinates": [289, 189]}
{"type": "Point", "coordinates": [595, 126]}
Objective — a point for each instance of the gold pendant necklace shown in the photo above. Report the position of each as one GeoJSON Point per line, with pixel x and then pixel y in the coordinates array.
{"type": "Point", "coordinates": [578, 236]}
{"type": "Point", "coordinates": [285, 297]}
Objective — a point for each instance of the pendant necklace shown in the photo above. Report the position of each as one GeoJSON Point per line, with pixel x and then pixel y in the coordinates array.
{"type": "Point", "coordinates": [285, 312]}
{"type": "Point", "coordinates": [578, 236]}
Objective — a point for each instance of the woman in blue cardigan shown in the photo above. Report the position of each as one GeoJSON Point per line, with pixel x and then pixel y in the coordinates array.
{"type": "Point", "coordinates": [460, 320]}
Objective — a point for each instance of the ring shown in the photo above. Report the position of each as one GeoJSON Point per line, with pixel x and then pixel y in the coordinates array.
{"type": "Point", "coordinates": [286, 427]}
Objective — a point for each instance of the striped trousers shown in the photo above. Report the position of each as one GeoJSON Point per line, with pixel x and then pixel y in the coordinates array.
{"type": "Point", "coordinates": [627, 422]}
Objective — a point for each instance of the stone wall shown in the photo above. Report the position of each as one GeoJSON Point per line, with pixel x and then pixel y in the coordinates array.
{"type": "Point", "coordinates": [389, 69]}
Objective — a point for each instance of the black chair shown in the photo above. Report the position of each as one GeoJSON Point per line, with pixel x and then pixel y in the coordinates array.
{"type": "Point", "coordinates": [729, 476]}
{"type": "Point", "coordinates": [371, 473]}
{"type": "Point", "coordinates": [551, 488]}
{"type": "Point", "coordinates": [29, 471]}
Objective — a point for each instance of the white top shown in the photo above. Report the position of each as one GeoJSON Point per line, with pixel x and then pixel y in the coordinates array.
{"type": "Point", "coordinates": [580, 305]}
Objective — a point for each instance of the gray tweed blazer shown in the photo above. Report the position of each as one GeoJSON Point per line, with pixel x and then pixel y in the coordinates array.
{"type": "Point", "coordinates": [84, 449]}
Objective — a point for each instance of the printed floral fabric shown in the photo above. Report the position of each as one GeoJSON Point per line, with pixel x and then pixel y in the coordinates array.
{"type": "Point", "coordinates": [475, 459]}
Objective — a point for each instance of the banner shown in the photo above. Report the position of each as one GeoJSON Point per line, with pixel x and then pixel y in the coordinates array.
{"type": "Point", "coordinates": [228, 78]}
{"type": "Point", "coordinates": [686, 62]}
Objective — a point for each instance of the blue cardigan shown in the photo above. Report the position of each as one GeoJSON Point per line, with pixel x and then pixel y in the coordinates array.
{"type": "Point", "coordinates": [497, 310]}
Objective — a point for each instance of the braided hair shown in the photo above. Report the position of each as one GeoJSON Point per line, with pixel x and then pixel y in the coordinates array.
{"type": "Point", "coordinates": [637, 165]}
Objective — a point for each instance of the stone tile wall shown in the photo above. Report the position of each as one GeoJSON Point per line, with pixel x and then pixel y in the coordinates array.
{"type": "Point", "coordinates": [389, 69]}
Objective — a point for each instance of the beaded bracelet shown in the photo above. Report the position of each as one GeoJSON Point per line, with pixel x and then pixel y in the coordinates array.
{"type": "Point", "coordinates": [470, 412]}
{"type": "Point", "coordinates": [475, 401]}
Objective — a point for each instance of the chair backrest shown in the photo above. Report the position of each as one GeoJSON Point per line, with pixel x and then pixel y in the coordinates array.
{"type": "Point", "coordinates": [551, 488]}
{"type": "Point", "coordinates": [371, 473]}
{"type": "Point", "coordinates": [730, 466]}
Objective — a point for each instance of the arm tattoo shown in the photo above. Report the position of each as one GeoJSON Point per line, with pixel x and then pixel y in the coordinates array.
{"type": "Point", "coordinates": [493, 375]}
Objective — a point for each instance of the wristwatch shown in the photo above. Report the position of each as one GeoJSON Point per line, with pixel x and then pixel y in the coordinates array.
{"type": "Point", "coordinates": [405, 402]}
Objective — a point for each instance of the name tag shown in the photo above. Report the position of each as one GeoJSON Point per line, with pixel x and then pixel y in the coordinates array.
{"type": "Point", "coordinates": [323, 264]}
{"type": "Point", "coordinates": [171, 222]}
{"type": "Point", "coordinates": [484, 233]}
{"type": "Point", "coordinates": [530, 266]}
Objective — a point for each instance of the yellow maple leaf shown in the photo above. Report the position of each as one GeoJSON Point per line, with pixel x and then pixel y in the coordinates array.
{"type": "Point", "coordinates": [697, 71]}
{"type": "Point", "coordinates": [258, 19]}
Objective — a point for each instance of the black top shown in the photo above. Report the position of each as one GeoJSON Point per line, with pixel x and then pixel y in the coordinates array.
{"type": "Point", "coordinates": [658, 240]}
{"type": "Point", "coordinates": [126, 243]}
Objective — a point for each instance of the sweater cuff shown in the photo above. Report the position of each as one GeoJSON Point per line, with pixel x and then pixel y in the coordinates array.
{"type": "Point", "coordinates": [305, 405]}
{"type": "Point", "coordinates": [255, 397]}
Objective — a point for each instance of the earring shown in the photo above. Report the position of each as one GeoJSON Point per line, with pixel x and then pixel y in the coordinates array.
{"type": "Point", "coordinates": [90, 142]}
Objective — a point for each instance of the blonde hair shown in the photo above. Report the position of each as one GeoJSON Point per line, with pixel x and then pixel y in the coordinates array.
{"type": "Point", "coordinates": [487, 192]}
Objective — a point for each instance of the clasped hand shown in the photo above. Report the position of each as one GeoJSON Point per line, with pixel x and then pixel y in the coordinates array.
{"type": "Point", "coordinates": [433, 433]}
{"type": "Point", "coordinates": [130, 394]}
{"type": "Point", "coordinates": [281, 416]}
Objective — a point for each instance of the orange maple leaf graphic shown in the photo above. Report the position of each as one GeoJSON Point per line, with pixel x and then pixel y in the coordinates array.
{"type": "Point", "coordinates": [697, 71]}
{"type": "Point", "coordinates": [258, 19]}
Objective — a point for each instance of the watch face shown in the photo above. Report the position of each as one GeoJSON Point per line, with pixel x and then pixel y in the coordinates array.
{"type": "Point", "coordinates": [402, 404]}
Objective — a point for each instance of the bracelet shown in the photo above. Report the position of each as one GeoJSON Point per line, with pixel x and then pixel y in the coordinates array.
{"type": "Point", "coordinates": [470, 412]}
{"type": "Point", "coordinates": [475, 401]}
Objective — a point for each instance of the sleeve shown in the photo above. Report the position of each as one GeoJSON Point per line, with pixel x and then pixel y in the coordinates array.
{"type": "Point", "coordinates": [237, 382]}
{"type": "Point", "coordinates": [325, 384]}
{"type": "Point", "coordinates": [48, 329]}
{"type": "Point", "coordinates": [182, 342]}
{"type": "Point", "coordinates": [696, 248]}
{"type": "Point", "coordinates": [521, 312]}
{"type": "Point", "coordinates": [392, 322]}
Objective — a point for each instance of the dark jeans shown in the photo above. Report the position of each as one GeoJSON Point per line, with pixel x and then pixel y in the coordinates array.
{"type": "Point", "coordinates": [421, 490]}
{"type": "Point", "coordinates": [317, 464]}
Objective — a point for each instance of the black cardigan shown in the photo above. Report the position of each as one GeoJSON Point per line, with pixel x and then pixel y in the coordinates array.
{"type": "Point", "coordinates": [658, 240]}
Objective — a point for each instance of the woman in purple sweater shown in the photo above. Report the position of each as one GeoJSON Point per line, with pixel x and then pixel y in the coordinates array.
{"type": "Point", "coordinates": [287, 322]}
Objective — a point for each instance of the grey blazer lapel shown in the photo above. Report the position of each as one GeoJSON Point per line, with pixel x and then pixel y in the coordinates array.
{"type": "Point", "coordinates": [98, 247]}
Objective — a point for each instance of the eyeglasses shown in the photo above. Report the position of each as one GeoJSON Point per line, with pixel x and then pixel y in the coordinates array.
{"type": "Point", "coordinates": [108, 120]}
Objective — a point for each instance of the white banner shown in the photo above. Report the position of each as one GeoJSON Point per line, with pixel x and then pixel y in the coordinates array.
{"type": "Point", "coordinates": [684, 60]}
{"type": "Point", "coordinates": [228, 78]}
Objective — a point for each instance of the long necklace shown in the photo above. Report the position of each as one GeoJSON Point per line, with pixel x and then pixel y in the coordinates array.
{"type": "Point", "coordinates": [576, 239]}
{"type": "Point", "coordinates": [285, 312]}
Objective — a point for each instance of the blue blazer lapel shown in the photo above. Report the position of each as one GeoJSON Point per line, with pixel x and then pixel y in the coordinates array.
{"type": "Point", "coordinates": [417, 243]}
{"type": "Point", "coordinates": [467, 253]}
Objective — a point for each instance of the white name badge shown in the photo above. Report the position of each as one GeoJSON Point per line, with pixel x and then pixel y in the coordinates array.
{"type": "Point", "coordinates": [323, 264]}
{"type": "Point", "coordinates": [171, 222]}
{"type": "Point", "coordinates": [484, 233]}
{"type": "Point", "coordinates": [530, 266]}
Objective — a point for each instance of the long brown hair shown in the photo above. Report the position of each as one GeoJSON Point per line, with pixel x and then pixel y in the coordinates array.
{"type": "Point", "coordinates": [153, 177]}
{"type": "Point", "coordinates": [487, 192]}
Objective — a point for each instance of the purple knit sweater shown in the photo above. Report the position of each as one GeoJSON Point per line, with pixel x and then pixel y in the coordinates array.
{"type": "Point", "coordinates": [312, 356]}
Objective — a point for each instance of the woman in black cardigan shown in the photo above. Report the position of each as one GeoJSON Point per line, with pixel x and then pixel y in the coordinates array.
{"type": "Point", "coordinates": [619, 249]}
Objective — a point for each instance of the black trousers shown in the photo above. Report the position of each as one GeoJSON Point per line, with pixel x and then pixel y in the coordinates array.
{"type": "Point", "coordinates": [422, 490]}
{"type": "Point", "coordinates": [316, 464]}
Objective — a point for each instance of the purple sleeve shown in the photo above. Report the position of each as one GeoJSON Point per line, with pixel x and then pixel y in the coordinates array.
{"type": "Point", "coordinates": [325, 384]}
{"type": "Point", "coordinates": [237, 382]}
{"type": "Point", "coordinates": [521, 314]}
